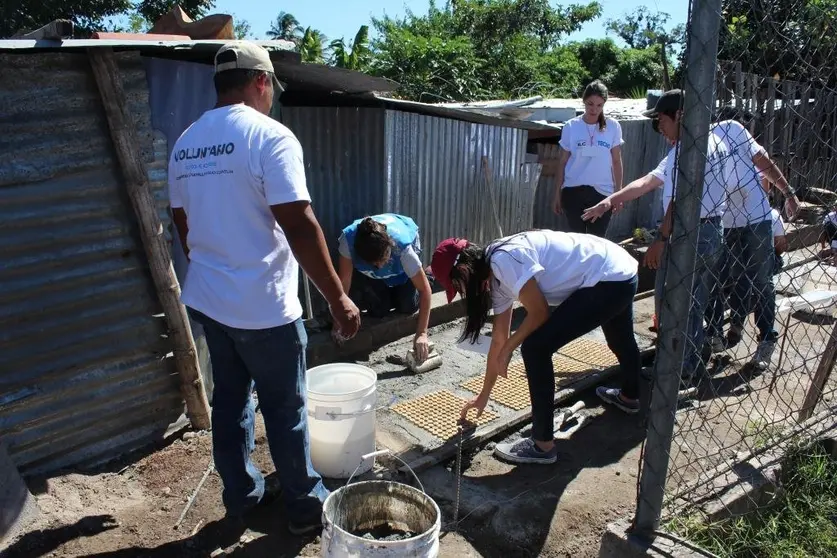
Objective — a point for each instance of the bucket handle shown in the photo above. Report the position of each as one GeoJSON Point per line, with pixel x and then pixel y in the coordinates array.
{"type": "Point", "coordinates": [386, 452]}
{"type": "Point", "coordinates": [332, 415]}
{"type": "Point", "coordinates": [329, 526]}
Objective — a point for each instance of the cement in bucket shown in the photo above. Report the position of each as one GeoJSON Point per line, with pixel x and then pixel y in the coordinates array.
{"type": "Point", "coordinates": [369, 506]}
{"type": "Point", "coordinates": [341, 418]}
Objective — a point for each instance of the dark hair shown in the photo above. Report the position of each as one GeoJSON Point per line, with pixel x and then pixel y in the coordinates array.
{"type": "Point", "coordinates": [477, 260]}
{"type": "Point", "coordinates": [372, 242]}
{"type": "Point", "coordinates": [599, 89]}
{"type": "Point", "coordinates": [477, 299]}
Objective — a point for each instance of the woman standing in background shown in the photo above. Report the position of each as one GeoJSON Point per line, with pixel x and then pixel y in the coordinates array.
{"type": "Point", "coordinates": [589, 163]}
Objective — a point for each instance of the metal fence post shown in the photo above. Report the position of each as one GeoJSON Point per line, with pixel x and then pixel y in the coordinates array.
{"type": "Point", "coordinates": [701, 62]}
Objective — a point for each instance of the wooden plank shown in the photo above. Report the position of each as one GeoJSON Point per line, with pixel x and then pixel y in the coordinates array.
{"type": "Point", "coordinates": [789, 114]}
{"type": "Point", "coordinates": [134, 173]}
{"type": "Point", "coordinates": [739, 87]}
{"type": "Point", "coordinates": [815, 391]}
{"type": "Point", "coordinates": [770, 115]}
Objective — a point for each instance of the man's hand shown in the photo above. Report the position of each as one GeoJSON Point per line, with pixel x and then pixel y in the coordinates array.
{"type": "Point", "coordinates": [421, 345]}
{"type": "Point", "coordinates": [593, 213]}
{"type": "Point", "coordinates": [346, 317]}
{"type": "Point", "coordinates": [791, 207]}
{"type": "Point", "coordinates": [654, 255]}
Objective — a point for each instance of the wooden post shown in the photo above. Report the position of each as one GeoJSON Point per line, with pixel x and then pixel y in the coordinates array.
{"type": "Point", "coordinates": [134, 172]}
{"type": "Point", "coordinates": [812, 397]}
{"type": "Point", "coordinates": [770, 115]}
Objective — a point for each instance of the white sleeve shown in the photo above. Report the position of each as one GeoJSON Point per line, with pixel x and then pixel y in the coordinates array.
{"type": "Point", "coordinates": [410, 261]}
{"type": "Point", "coordinates": [566, 141]}
{"type": "Point", "coordinates": [514, 268]}
{"type": "Point", "coordinates": [283, 171]}
{"type": "Point", "coordinates": [665, 168]}
{"type": "Point", "coordinates": [343, 247]}
{"type": "Point", "coordinates": [617, 134]}
{"type": "Point", "coordinates": [175, 196]}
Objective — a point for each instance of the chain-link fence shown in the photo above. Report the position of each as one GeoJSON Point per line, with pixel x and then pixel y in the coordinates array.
{"type": "Point", "coordinates": [747, 281]}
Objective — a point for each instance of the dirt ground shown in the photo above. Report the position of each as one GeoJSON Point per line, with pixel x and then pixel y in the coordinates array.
{"type": "Point", "coordinates": [129, 508]}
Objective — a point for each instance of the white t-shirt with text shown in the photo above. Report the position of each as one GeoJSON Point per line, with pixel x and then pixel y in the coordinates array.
{"type": "Point", "coordinates": [717, 173]}
{"type": "Point", "coordinates": [226, 170]}
{"type": "Point", "coordinates": [590, 162]}
{"type": "Point", "coordinates": [748, 203]}
{"type": "Point", "coordinates": [560, 262]}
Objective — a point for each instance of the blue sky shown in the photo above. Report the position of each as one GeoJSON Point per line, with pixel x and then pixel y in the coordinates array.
{"type": "Point", "coordinates": [342, 18]}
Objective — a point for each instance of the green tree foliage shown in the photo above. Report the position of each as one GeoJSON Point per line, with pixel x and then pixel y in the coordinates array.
{"type": "Point", "coordinates": [796, 39]}
{"type": "Point", "coordinates": [643, 28]}
{"type": "Point", "coordinates": [473, 48]}
{"type": "Point", "coordinates": [312, 46]}
{"type": "Point", "coordinates": [355, 57]}
{"type": "Point", "coordinates": [285, 27]}
{"type": "Point", "coordinates": [242, 29]}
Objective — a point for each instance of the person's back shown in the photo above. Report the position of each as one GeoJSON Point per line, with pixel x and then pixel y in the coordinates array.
{"type": "Point", "coordinates": [748, 203]}
{"type": "Point", "coordinates": [229, 167]}
{"type": "Point", "coordinates": [561, 262]}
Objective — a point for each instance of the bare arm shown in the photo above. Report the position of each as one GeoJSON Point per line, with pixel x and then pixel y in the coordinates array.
{"type": "Point", "coordinates": [425, 301]}
{"type": "Point", "coordinates": [616, 160]}
{"type": "Point", "coordinates": [344, 271]}
{"type": "Point", "coordinates": [499, 337]}
{"type": "Point", "coordinates": [563, 157]}
{"type": "Point", "coordinates": [309, 246]}
{"type": "Point", "coordinates": [181, 223]}
{"type": "Point", "coordinates": [771, 172]}
{"type": "Point", "coordinates": [537, 312]}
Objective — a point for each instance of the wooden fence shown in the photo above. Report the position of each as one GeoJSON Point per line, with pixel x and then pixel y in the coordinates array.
{"type": "Point", "coordinates": [796, 122]}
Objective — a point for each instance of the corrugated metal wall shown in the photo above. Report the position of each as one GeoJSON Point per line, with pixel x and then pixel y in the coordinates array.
{"type": "Point", "coordinates": [642, 150]}
{"type": "Point", "coordinates": [434, 174]}
{"type": "Point", "coordinates": [343, 149]}
{"type": "Point", "coordinates": [84, 372]}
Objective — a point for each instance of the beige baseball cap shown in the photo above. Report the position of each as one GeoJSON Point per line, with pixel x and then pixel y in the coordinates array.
{"type": "Point", "coordinates": [248, 56]}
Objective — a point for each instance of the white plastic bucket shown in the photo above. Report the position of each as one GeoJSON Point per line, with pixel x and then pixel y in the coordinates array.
{"type": "Point", "coordinates": [341, 418]}
{"type": "Point", "coordinates": [365, 505]}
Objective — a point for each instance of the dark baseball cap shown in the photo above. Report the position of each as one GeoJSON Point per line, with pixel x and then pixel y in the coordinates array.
{"type": "Point", "coordinates": [669, 103]}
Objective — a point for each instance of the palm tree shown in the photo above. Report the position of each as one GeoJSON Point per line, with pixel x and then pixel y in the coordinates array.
{"type": "Point", "coordinates": [312, 46]}
{"type": "Point", "coordinates": [356, 57]}
{"type": "Point", "coordinates": [286, 28]}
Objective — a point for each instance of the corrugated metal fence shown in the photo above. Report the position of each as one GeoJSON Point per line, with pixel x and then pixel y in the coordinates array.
{"type": "Point", "coordinates": [642, 151]}
{"type": "Point", "coordinates": [84, 372]}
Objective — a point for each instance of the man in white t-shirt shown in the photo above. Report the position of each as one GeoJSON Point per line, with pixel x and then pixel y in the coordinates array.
{"type": "Point", "coordinates": [748, 259]}
{"type": "Point", "coordinates": [241, 207]}
{"type": "Point", "coordinates": [666, 118]}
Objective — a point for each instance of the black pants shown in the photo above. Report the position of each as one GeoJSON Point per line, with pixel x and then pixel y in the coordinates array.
{"type": "Point", "coordinates": [574, 201]}
{"type": "Point", "coordinates": [378, 298]}
{"type": "Point", "coordinates": [606, 304]}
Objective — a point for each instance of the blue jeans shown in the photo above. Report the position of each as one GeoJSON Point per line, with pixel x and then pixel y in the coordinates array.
{"type": "Point", "coordinates": [752, 261]}
{"type": "Point", "coordinates": [720, 293]}
{"type": "Point", "coordinates": [704, 282]}
{"type": "Point", "coordinates": [607, 304]}
{"type": "Point", "coordinates": [274, 359]}
{"type": "Point", "coordinates": [378, 298]}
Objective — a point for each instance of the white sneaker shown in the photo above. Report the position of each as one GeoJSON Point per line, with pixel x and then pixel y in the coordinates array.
{"type": "Point", "coordinates": [764, 353]}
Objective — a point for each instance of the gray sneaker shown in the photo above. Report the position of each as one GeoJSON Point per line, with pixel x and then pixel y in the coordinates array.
{"type": "Point", "coordinates": [525, 451]}
{"type": "Point", "coordinates": [764, 353]}
{"type": "Point", "coordinates": [612, 397]}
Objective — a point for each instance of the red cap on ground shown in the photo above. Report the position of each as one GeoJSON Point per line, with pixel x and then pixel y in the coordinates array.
{"type": "Point", "coordinates": [444, 259]}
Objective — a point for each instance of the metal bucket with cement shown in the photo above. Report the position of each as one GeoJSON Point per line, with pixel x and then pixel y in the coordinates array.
{"type": "Point", "coordinates": [357, 517]}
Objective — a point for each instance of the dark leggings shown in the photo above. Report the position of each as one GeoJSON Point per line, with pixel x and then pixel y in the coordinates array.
{"type": "Point", "coordinates": [574, 201]}
{"type": "Point", "coordinates": [609, 305]}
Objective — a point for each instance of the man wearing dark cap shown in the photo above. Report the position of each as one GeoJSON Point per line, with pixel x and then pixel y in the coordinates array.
{"type": "Point", "coordinates": [241, 206]}
{"type": "Point", "coordinates": [717, 176]}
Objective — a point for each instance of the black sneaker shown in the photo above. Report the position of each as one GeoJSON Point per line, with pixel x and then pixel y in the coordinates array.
{"type": "Point", "coordinates": [733, 336]}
